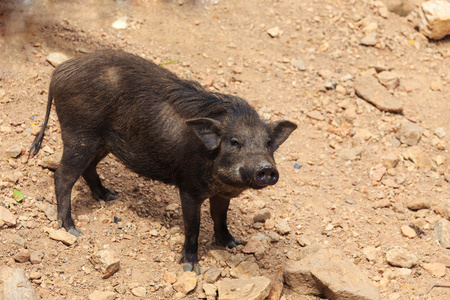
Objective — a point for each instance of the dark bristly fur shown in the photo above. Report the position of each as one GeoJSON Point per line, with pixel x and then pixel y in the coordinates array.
{"type": "Point", "coordinates": [210, 145]}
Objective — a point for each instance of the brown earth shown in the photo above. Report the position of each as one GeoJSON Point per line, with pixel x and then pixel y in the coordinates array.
{"type": "Point", "coordinates": [225, 46]}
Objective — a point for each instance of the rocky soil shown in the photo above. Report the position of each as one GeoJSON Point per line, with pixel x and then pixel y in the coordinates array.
{"type": "Point", "coordinates": [362, 207]}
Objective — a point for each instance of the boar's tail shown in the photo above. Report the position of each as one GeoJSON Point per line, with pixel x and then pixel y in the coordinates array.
{"type": "Point", "coordinates": [36, 145]}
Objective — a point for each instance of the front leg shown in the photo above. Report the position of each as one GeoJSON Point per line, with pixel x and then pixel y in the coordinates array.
{"type": "Point", "coordinates": [219, 208]}
{"type": "Point", "coordinates": [191, 217]}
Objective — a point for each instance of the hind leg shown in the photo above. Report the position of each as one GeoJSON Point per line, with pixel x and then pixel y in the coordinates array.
{"type": "Point", "coordinates": [93, 180]}
{"type": "Point", "coordinates": [77, 156]}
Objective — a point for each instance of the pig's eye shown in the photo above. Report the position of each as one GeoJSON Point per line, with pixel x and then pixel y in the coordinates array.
{"type": "Point", "coordinates": [235, 143]}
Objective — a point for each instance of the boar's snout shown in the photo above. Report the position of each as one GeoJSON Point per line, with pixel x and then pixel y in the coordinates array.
{"type": "Point", "coordinates": [266, 174]}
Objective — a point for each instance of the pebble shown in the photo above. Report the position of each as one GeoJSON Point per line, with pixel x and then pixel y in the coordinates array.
{"type": "Point", "coordinates": [121, 23]}
{"type": "Point", "coordinates": [440, 132]}
{"type": "Point", "coordinates": [442, 231]}
{"type": "Point", "coordinates": [435, 269]}
{"type": "Point", "coordinates": [399, 257]}
{"type": "Point", "coordinates": [106, 262]}
{"type": "Point", "coordinates": [350, 154]}
{"type": "Point", "coordinates": [14, 151]}
{"type": "Point", "coordinates": [419, 204]}
{"type": "Point", "coordinates": [368, 88]}
{"type": "Point", "coordinates": [316, 115]}
{"type": "Point", "coordinates": [51, 162]}
{"type": "Point", "coordinates": [210, 291]}
{"type": "Point", "coordinates": [262, 215]}
{"type": "Point", "coordinates": [443, 208]}
{"type": "Point", "coordinates": [390, 161]}
{"type": "Point", "coordinates": [186, 282]}
{"type": "Point", "coordinates": [283, 227]}
{"type": "Point", "coordinates": [22, 256]}
{"type": "Point", "coordinates": [408, 133]}
{"type": "Point", "coordinates": [370, 252]}
{"type": "Point", "coordinates": [274, 31]}
{"type": "Point", "coordinates": [139, 291]}
{"type": "Point", "coordinates": [298, 63]}
{"type": "Point", "coordinates": [408, 232]}
{"type": "Point", "coordinates": [36, 257]}
{"type": "Point", "coordinates": [245, 269]}
{"type": "Point", "coordinates": [170, 277]}
{"type": "Point", "coordinates": [370, 39]}
{"type": "Point", "coordinates": [56, 58]}
{"type": "Point", "coordinates": [378, 172]}
{"type": "Point", "coordinates": [7, 217]}
{"type": "Point", "coordinates": [389, 79]}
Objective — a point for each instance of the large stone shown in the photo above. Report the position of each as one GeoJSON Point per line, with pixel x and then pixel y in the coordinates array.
{"type": "Point", "coordinates": [368, 88]}
{"type": "Point", "coordinates": [434, 19]}
{"type": "Point", "coordinates": [329, 273]}
{"type": "Point", "coordinates": [186, 283]}
{"type": "Point", "coordinates": [100, 295]}
{"type": "Point", "coordinates": [254, 288]}
{"type": "Point", "coordinates": [442, 231]}
{"type": "Point", "coordinates": [14, 285]}
{"type": "Point", "coordinates": [408, 133]}
{"type": "Point", "coordinates": [106, 262]}
{"type": "Point", "coordinates": [7, 217]}
{"type": "Point", "coordinates": [63, 236]}
{"type": "Point", "coordinates": [399, 257]}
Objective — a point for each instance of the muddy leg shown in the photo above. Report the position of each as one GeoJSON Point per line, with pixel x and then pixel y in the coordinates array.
{"type": "Point", "coordinates": [219, 209]}
{"type": "Point", "coordinates": [93, 181]}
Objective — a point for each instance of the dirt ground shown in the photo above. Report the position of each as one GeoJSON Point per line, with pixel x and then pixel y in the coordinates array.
{"type": "Point", "coordinates": [225, 46]}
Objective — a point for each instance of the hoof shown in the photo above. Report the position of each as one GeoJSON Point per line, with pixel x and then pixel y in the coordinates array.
{"type": "Point", "coordinates": [188, 267]}
{"type": "Point", "coordinates": [75, 231]}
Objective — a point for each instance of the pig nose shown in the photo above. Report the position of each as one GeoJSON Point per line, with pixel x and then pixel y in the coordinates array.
{"type": "Point", "coordinates": [266, 175]}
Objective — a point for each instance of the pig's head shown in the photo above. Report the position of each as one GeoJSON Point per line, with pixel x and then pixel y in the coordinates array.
{"type": "Point", "coordinates": [245, 147]}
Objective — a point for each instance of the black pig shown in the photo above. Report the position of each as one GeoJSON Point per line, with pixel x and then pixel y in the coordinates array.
{"type": "Point", "coordinates": [209, 145]}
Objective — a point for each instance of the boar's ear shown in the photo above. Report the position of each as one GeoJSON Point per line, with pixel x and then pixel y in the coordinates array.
{"type": "Point", "coordinates": [280, 131]}
{"type": "Point", "coordinates": [208, 130]}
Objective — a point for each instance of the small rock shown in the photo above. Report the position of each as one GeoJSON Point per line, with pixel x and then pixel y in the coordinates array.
{"type": "Point", "coordinates": [370, 39]}
{"type": "Point", "coordinates": [440, 132]}
{"type": "Point", "coordinates": [101, 295]}
{"type": "Point", "coordinates": [369, 89]}
{"type": "Point", "coordinates": [350, 154]}
{"type": "Point", "coordinates": [416, 155]}
{"type": "Point", "coordinates": [443, 208]}
{"type": "Point", "coordinates": [283, 227]}
{"type": "Point", "coordinates": [277, 284]}
{"type": "Point", "coordinates": [7, 217]}
{"type": "Point", "coordinates": [106, 262]}
{"type": "Point", "coordinates": [370, 252]}
{"type": "Point", "coordinates": [121, 23]}
{"type": "Point", "coordinates": [274, 32]}
{"type": "Point", "coordinates": [316, 115]}
{"type": "Point", "coordinates": [408, 232]}
{"type": "Point", "coordinates": [438, 143]}
{"type": "Point", "coordinates": [246, 269]}
{"type": "Point", "coordinates": [442, 231]}
{"type": "Point", "coordinates": [254, 245]}
{"type": "Point", "coordinates": [212, 275]}
{"type": "Point", "coordinates": [444, 259]}
{"type": "Point", "coordinates": [56, 58]}
{"type": "Point", "coordinates": [139, 291]}
{"type": "Point", "coordinates": [170, 277]}
{"type": "Point", "coordinates": [186, 283]}
{"type": "Point", "coordinates": [262, 215]}
{"type": "Point", "coordinates": [389, 79]}
{"type": "Point", "coordinates": [51, 162]}
{"type": "Point", "coordinates": [35, 129]}
{"type": "Point", "coordinates": [254, 288]}
{"type": "Point", "coordinates": [435, 269]}
{"type": "Point", "coordinates": [390, 161]}
{"type": "Point", "coordinates": [408, 133]}
{"type": "Point", "coordinates": [36, 257]}
{"type": "Point", "coordinates": [210, 291]}
{"type": "Point", "coordinates": [15, 285]}
{"type": "Point", "coordinates": [22, 256]}
{"type": "Point", "coordinates": [35, 275]}
{"type": "Point", "coordinates": [400, 257]}
{"type": "Point", "coordinates": [378, 172]}
{"type": "Point", "coordinates": [14, 151]}
{"type": "Point", "coordinates": [419, 204]}
{"type": "Point", "coordinates": [436, 86]}
{"type": "Point", "coordinates": [172, 207]}
{"type": "Point", "coordinates": [298, 63]}
{"type": "Point", "coordinates": [63, 236]}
